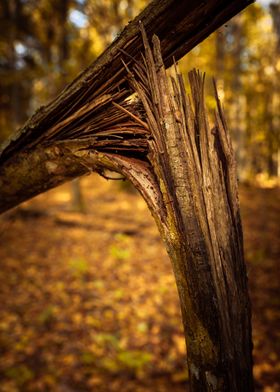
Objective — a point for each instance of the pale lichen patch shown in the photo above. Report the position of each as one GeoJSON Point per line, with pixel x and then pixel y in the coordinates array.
{"type": "Point", "coordinates": [51, 167]}
{"type": "Point", "coordinates": [194, 370]}
{"type": "Point", "coordinates": [211, 380]}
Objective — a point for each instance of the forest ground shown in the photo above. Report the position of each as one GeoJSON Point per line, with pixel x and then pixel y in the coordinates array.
{"type": "Point", "coordinates": [89, 303]}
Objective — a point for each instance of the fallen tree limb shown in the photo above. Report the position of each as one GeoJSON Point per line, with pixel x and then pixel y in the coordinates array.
{"type": "Point", "coordinates": [77, 113]}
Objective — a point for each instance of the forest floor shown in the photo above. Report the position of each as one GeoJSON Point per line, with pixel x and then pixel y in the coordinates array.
{"type": "Point", "coordinates": [89, 303]}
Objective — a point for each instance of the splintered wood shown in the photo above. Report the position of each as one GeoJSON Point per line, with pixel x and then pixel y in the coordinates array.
{"type": "Point", "coordinates": [194, 167]}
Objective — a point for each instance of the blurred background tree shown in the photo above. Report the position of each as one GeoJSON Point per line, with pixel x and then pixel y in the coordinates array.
{"type": "Point", "coordinates": [45, 43]}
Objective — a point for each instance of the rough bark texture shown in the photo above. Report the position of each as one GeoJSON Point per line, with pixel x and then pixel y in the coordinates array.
{"type": "Point", "coordinates": [194, 167]}
{"type": "Point", "coordinates": [79, 110]}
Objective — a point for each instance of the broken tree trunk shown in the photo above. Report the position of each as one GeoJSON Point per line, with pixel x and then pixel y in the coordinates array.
{"type": "Point", "coordinates": [76, 114]}
{"type": "Point", "coordinates": [197, 213]}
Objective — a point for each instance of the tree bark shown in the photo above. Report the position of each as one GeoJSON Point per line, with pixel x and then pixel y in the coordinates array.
{"type": "Point", "coordinates": [179, 24]}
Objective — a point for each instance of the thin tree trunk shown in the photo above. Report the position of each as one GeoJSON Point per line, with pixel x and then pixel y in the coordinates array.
{"type": "Point", "coordinates": [238, 101]}
{"type": "Point", "coordinates": [220, 60]}
{"type": "Point", "coordinates": [78, 200]}
{"type": "Point", "coordinates": [273, 137]}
